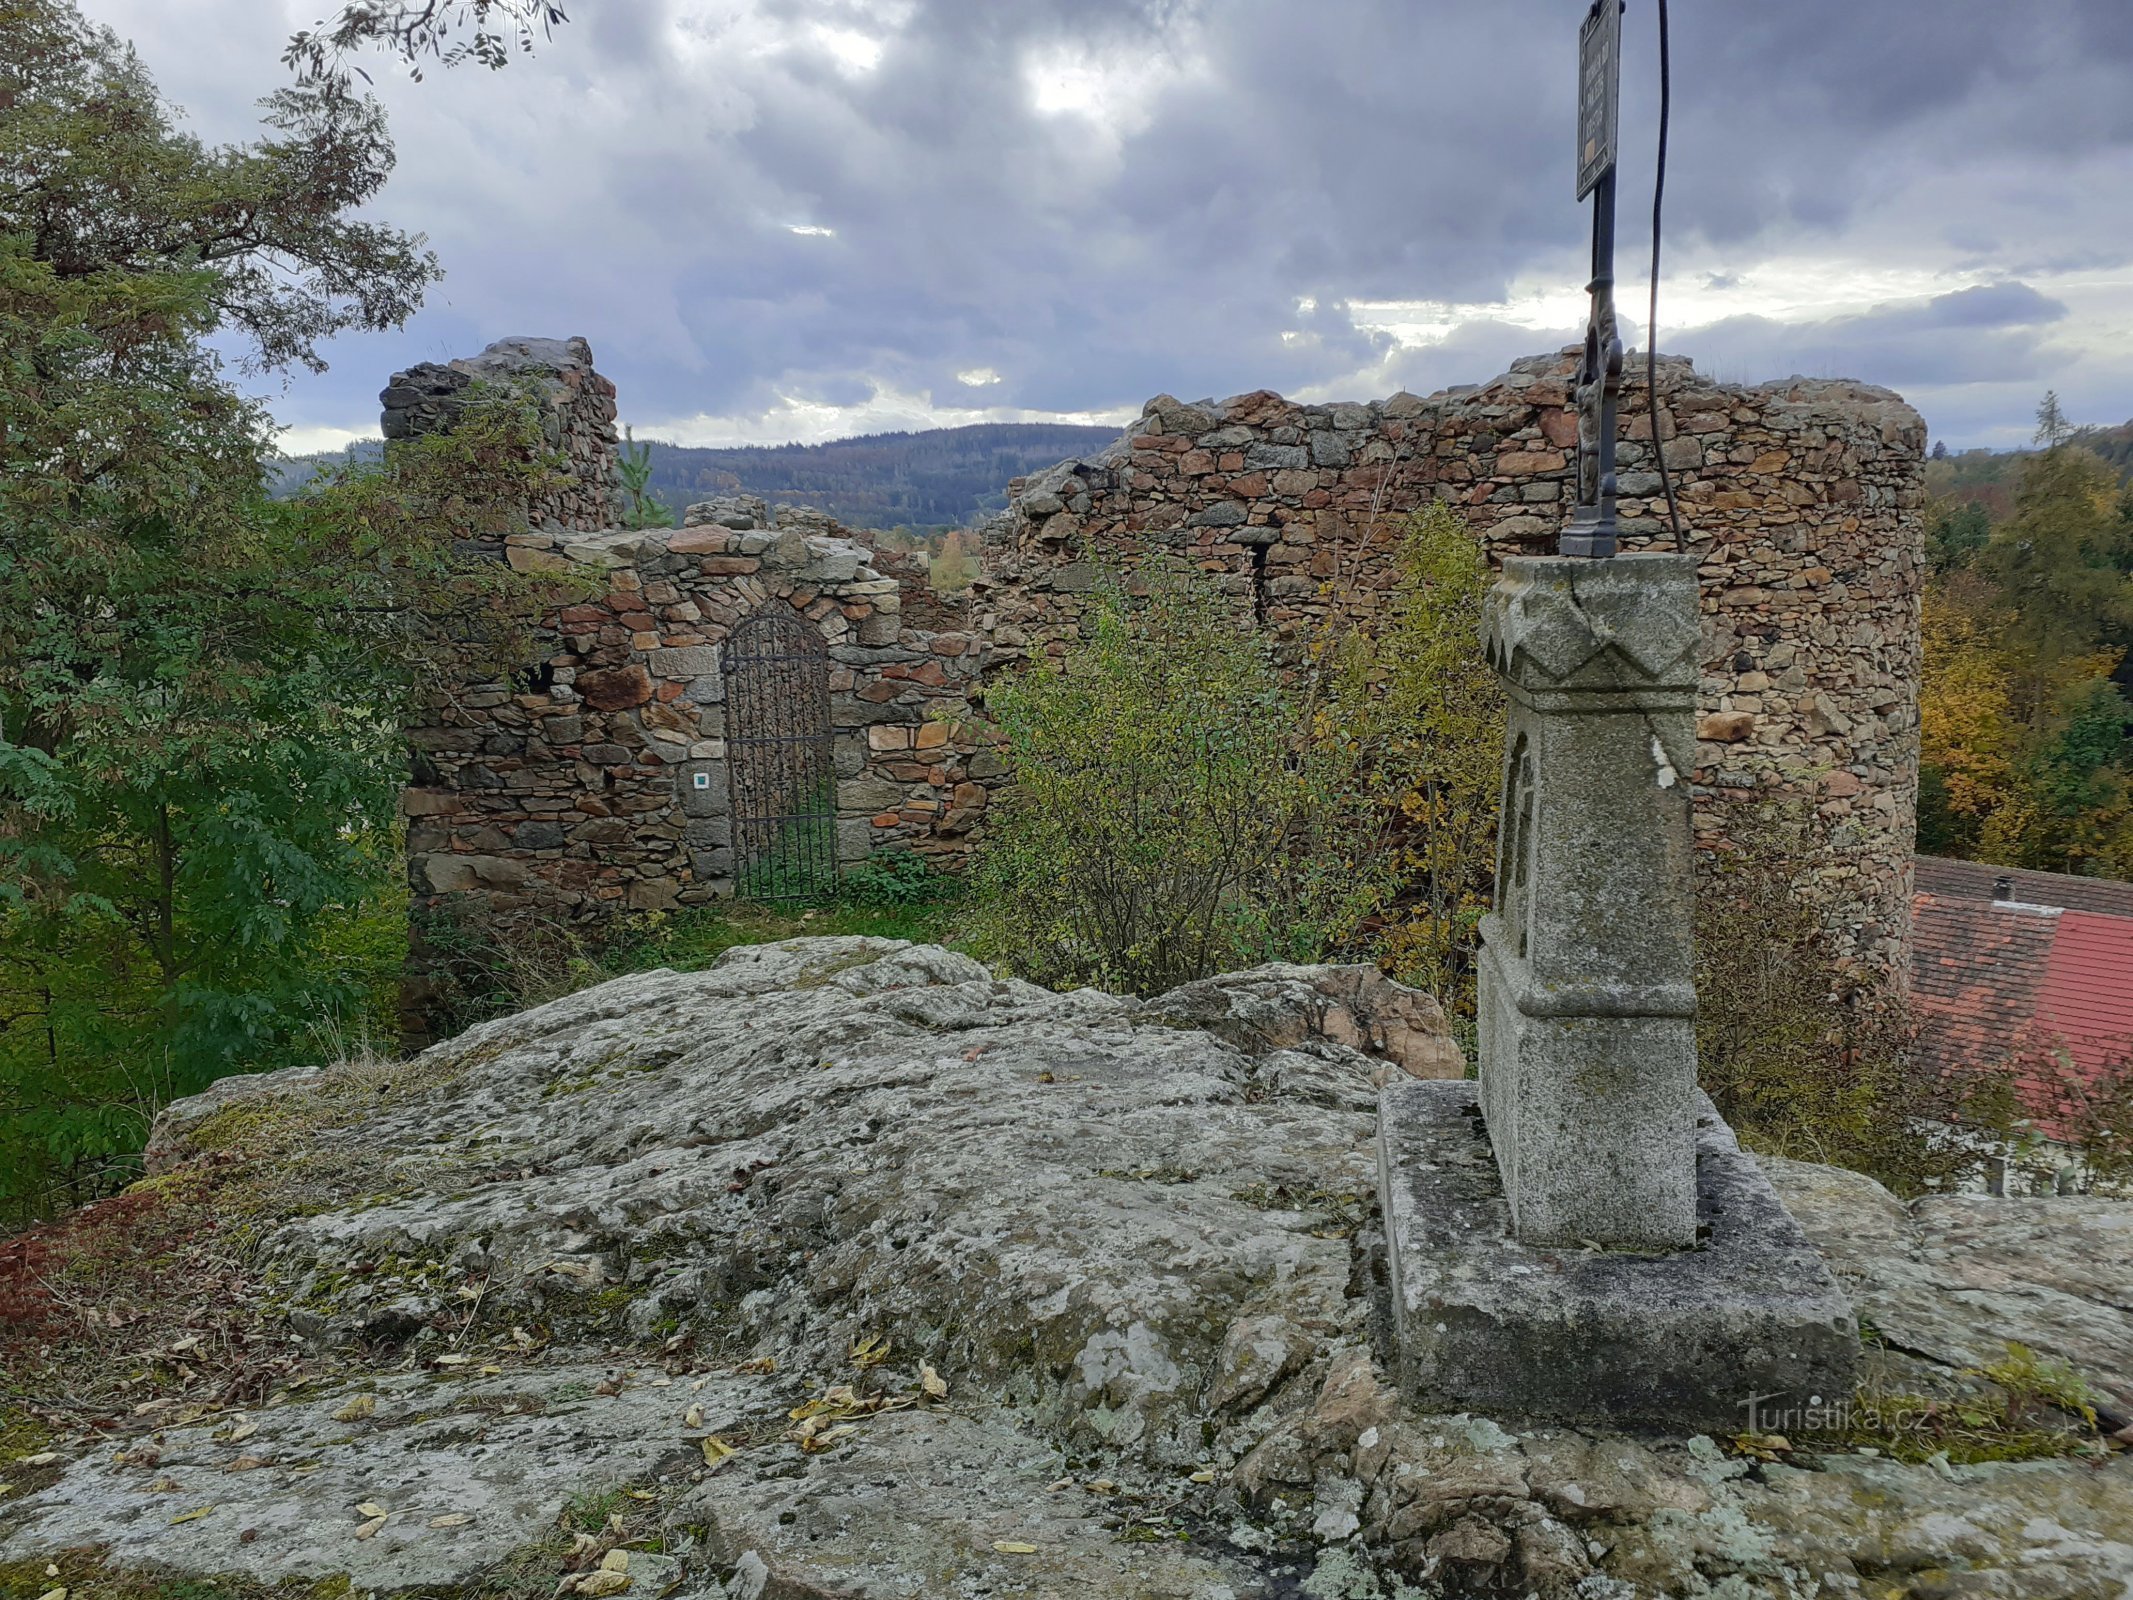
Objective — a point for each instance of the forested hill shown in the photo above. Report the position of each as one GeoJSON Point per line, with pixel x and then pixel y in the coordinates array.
{"type": "Point", "coordinates": [938, 478]}
{"type": "Point", "coordinates": [1987, 478]}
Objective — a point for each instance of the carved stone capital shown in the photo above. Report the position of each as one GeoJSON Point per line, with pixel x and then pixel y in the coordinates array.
{"type": "Point", "coordinates": [1559, 622]}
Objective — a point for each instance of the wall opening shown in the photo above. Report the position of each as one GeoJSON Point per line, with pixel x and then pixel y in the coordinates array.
{"type": "Point", "coordinates": [779, 760]}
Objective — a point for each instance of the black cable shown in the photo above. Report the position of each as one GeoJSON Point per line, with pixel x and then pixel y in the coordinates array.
{"type": "Point", "coordinates": [1651, 321]}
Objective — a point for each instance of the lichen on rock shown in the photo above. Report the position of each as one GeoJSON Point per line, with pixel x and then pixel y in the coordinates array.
{"type": "Point", "coordinates": [758, 1205]}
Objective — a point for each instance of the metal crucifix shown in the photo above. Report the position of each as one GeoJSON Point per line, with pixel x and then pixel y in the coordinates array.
{"type": "Point", "coordinates": [1591, 531]}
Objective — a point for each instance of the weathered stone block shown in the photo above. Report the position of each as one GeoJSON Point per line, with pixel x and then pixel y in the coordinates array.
{"type": "Point", "coordinates": [686, 661]}
{"type": "Point", "coordinates": [1485, 1321]}
{"type": "Point", "coordinates": [1588, 1056]}
{"type": "Point", "coordinates": [615, 689]}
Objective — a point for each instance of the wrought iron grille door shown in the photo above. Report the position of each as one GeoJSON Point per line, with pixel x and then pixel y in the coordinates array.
{"type": "Point", "coordinates": [778, 759]}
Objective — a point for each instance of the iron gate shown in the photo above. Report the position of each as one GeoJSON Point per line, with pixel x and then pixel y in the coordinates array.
{"type": "Point", "coordinates": [778, 757]}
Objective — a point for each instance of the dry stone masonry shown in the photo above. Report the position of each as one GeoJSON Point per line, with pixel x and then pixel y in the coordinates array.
{"type": "Point", "coordinates": [598, 782]}
{"type": "Point", "coordinates": [1802, 502]}
{"type": "Point", "coordinates": [574, 404]}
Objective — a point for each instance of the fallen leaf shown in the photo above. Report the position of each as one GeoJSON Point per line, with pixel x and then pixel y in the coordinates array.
{"type": "Point", "coordinates": [640, 1494]}
{"type": "Point", "coordinates": [453, 1360]}
{"type": "Point", "coordinates": [693, 1417]}
{"type": "Point", "coordinates": [451, 1519]}
{"type": "Point", "coordinates": [716, 1450]}
{"type": "Point", "coordinates": [6, 1489]}
{"type": "Point", "coordinates": [357, 1409]}
{"type": "Point", "coordinates": [931, 1383]}
{"type": "Point", "coordinates": [760, 1364]}
{"type": "Point", "coordinates": [371, 1508]}
{"type": "Point", "coordinates": [1014, 1547]}
{"type": "Point", "coordinates": [54, 1594]}
{"type": "Point", "coordinates": [601, 1582]}
{"type": "Point", "coordinates": [1203, 1477]}
{"type": "Point", "coordinates": [615, 1561]}
{"type": "Point", "coordinates": [43, 1458]}
{"type": "Point", "coordinates": [490, 1372]}
{"type": "Point", "coordinates": [369, 1530]}
{"type": "Point", "coordinates": [192, 1516]}
{"type": "Point", "coordinates": [827, 1438]}
{"type": "Point", "coordinates": [243, 1430]}
{"type": "Point", "coordinates": [870, 1351]}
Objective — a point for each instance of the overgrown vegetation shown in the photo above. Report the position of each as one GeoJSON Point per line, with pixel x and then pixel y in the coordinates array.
{"type": "Point", "coordinates": [1180, 806]}
{"type": "Point", "coordinates": [1808, 1059]}
{"type": "Point", "coordinates": [198, 687]}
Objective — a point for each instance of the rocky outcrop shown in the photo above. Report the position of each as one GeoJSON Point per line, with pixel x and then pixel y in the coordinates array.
{"type": "Point", "coordinates": [973, 1288]}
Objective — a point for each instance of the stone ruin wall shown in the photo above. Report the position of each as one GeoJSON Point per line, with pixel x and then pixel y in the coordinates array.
{"type": "Point", "coordinates": [574, 405]}
{"type": "Point", "coordinates": [568, 797]}
{"type": "Point", "coordinates": [1802, 500]}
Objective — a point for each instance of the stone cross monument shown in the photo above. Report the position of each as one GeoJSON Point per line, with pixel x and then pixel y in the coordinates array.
{"type": "Point", "coordinates": [1584, 1240]}
{"type": "Point", "coordinates": [1588, 1046]}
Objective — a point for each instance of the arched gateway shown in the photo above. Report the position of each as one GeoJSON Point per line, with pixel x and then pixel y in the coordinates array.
{"type": "Point", "coordinates": [779, 758]}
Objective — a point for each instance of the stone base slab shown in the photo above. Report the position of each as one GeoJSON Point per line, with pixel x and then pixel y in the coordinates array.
{"type": "Point", "coordinates": [1686, 1339]}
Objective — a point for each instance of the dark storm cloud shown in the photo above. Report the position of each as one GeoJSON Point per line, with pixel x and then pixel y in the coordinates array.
{"type": "Point", "coordinates": [1992, 334]}
{"type": "Point", "coordinates": [1238, 171]}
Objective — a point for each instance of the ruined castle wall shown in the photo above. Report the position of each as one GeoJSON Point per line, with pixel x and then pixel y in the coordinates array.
{"type": "Point", "coordinates": [596, 782]}
{"type": "Point", "coordinates": [1802, 501]}
{"type": "Point", "coordinates": [573, 405]}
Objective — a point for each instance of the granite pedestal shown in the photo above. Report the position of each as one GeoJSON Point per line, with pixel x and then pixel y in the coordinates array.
{"type": "Point", "coordinates": [1578, 1236]}
{"type": "Point", "coordinates": [1682, 1338]}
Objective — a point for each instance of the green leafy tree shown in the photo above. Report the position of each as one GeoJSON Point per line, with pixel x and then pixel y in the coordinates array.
{"type": "Point", "coordinates": [1955, 533]}
{"type": "Point", "coordinates": [447, 32]}
{"type": "Point", "coordinates": [198, 688]}
{"type": "Point", "coordinates": [2061, 562]}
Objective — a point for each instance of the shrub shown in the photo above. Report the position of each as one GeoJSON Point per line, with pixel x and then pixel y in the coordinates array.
{"type": "Point", "coordinates": [1167, 819]}
{"type": "Point", "coordinates": [1805, 1057]}
{"type": "Point", "coordinates": [897, 880]}
{"type": "Point", "coordinates": [1428, 715]}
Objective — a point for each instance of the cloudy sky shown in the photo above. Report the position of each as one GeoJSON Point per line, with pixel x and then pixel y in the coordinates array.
{"type": "Point", "coordinates": [797, 219]}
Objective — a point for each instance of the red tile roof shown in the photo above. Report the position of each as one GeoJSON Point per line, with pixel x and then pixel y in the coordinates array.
{"type": "Point", "coordinates": [1975, 971]}
{"type": "Point", "coordinates": [2022, 984]}
{"type": "Point", "coordinates": [1978, 880]}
